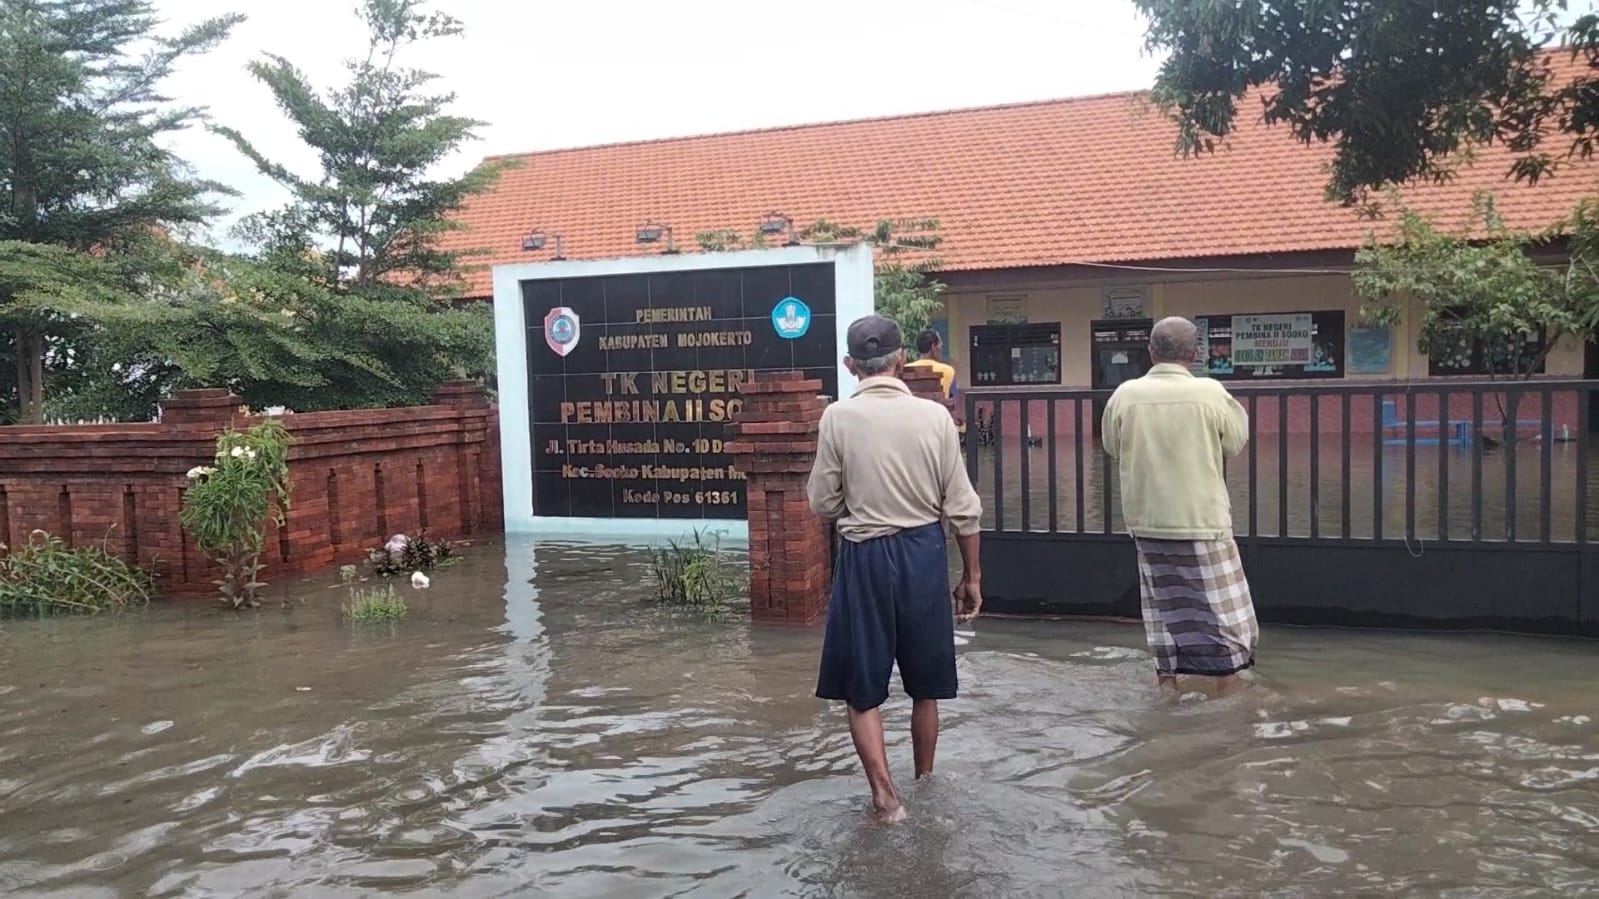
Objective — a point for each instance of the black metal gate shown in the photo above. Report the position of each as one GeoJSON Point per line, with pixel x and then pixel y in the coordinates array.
{"type": "Point", "coordinates": [1440, 504]}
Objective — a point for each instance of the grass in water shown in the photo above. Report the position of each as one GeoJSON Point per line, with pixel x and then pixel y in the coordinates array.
{"type": "Point", "coordinates": [380, 603]}
{"type": "Point", "coordinates": [44, 576]}
{"type": "Point", "coordinates": [695, 574]}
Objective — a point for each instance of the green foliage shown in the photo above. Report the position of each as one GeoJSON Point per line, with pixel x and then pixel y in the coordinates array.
{"type": "Point", "coordinates": [54, 296]}
{"type": "Point", "coordinates": [419, 554]}
{"type": "Point", "coordinates": [229, 504]}
{"type": "Point", "coordinates": [1483, 287]}
{"type": "Point", "coordinates": [346, 301]}
{"type": "Point", "coordinates": [903, 289]}
{"type": "Point", "coordinates": [695, 574]}
{"type": "Point", "coordinates": [83, 168]}
{"type": "Point", "coordinates": [275, 338]}
{"type": "Point", "coordinates": [370, 220]}
{"type": "Point", "coordinates": [44, 575]}
{"type": "Point", "coordinates": [1397, 86]}
{"type": "Point", "coordinates": [380, 603]}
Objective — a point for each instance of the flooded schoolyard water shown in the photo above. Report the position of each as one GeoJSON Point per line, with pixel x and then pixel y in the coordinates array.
{"type": "Point", "coordinates": [534, 728]}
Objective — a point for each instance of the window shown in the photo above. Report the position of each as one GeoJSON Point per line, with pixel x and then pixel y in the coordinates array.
{"type": "Point", "coordinates": [1279, 345]}
{"type": "Point", "coordinates": [1011, 355]}
{"type": "Point", "coordinates": [1465, 356]}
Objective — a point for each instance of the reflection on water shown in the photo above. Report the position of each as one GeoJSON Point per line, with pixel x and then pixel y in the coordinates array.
{"type": "Point", "coordinates": [546, 733]}
{"type": "Point", "coordinates": [1285, 503]}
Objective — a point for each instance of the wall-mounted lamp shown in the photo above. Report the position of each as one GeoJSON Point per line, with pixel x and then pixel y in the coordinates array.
{"type": "Point", "coordinates": [536, 239]}
{"type": "Point", "coordinates": [650, 232]}
{"type": "Point", "coordinates": [778, 223]}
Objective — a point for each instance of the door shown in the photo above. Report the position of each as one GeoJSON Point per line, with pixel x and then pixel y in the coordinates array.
{"type": "Point", "coordinates": [1119, 353]}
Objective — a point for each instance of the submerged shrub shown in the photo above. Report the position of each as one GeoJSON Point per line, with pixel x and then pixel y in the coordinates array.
{"type": "Point", "coordinates": [376, 604]}
{"type": "Point", "coordinates": [45, 575]}
{"type": "Point", "coordinates": [403, 555]}
{"type": "Point", "coordinates": [230, 503]}
{"type": "Point", "coordinates": [695, 574]}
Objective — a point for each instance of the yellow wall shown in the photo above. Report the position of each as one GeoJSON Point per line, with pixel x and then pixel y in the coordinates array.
{"type": "Point", "coordinates": [1074, 307]}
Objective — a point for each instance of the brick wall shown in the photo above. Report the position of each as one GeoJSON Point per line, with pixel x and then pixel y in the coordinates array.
{"type": "Point", "coordinates": [356, 478]}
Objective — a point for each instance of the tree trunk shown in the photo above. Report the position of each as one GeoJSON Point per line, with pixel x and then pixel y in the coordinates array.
{"type": "Point", "coordinates": [1508, 416]}
{"type": "Point", "coordinates": [30, 378]}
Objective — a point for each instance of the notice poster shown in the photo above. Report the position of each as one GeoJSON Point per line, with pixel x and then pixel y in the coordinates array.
{"type": "Point", "coordinates": [1271, 346]}
{"type": "Point", "coordinates": [1201, 365]}
{"type": "Point", "coordinates": [1272, 340]}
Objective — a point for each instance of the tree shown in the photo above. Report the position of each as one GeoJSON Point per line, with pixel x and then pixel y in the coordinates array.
{"type": "Point", "coordinates": [81, 169]}
{"type": "Point", "coordinates": [903, 288]}
{"type": "Point", "coordinates": [1400, 88]}
{"type": "Point", "coordinates": [274, 338]}
{"type": "Point", "coordinates": [368, 223]}
{"type": "Point", "coordinates": [1484, 292]}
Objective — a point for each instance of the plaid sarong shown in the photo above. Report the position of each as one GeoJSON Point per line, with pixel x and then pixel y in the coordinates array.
{"type": "Point", "coordinates": [1198, 614]}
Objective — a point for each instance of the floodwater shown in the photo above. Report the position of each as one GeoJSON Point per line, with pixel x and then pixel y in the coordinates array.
{"type": "Point", "coordinates": [535, 729]}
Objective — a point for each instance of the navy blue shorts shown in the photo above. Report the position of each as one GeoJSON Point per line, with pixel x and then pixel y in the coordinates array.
{"type": "Point", "coordinates": [890, 602]}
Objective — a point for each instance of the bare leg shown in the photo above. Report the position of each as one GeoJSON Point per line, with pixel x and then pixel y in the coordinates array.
{"type": "Point", "coordinates": [924, 735]}
{"type": "Point", "coordinates": [866, 729]}
{"type": "Point", "coordinates": [1168, 685]}
{"type": "Point", "coordinates": [1229, 684]}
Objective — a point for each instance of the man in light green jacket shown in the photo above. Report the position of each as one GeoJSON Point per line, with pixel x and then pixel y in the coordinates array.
{"type": "Point", "coordinates": [1170, 434]}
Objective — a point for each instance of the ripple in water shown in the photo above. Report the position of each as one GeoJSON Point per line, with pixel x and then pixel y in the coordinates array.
{"type": "Point", "coordinates": [565, 737]}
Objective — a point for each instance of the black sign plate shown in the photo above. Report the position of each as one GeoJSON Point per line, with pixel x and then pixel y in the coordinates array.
{"type": "Point", "coordinates": [632, 380]}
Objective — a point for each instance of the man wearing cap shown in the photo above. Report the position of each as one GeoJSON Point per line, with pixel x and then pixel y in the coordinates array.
{"type": "Point", "coordinates": [888, 473]}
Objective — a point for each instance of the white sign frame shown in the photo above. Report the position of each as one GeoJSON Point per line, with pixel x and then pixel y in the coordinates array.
{"type": "Point", "coordinates": [853, 279]}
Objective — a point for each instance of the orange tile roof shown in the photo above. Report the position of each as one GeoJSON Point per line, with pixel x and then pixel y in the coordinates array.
{"type": "Point", "coordinates": [1091, 179]}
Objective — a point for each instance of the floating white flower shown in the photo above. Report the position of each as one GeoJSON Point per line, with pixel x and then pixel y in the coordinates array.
{"type": "Point", "coordinates": [200, 471]}
{"type": "Point", "coordinates": [419, 580]}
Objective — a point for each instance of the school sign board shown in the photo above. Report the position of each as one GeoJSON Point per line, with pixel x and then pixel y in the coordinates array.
{"type": "Point", "coordinates": [618, 378]}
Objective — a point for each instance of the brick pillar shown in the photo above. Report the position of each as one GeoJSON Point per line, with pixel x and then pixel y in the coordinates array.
{"type": "Point", "coordinates": [925, 383]}
{"type": "Point", "coordinates": [215, 406]}
{"type": "Point", "coordinates": [773, 443]}
{"type": "Point", "coordinates": [470, 402]}
{"type": "Point", "coordinates": [461, 395]}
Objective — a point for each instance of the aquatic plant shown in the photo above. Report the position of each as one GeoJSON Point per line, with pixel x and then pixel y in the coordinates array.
{"type": "Point", "coordinates": [230, 503]}
{"type": "Point", "coordinates": [45, 575]}
{"type": "Point", "coordinates": [695, 573]}
{"type": "Point", "coordinates": [403, 555]}
{"type": "Point", "coordinates": [379, 603]}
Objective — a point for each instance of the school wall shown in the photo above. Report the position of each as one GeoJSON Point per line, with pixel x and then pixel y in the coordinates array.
{"type": "Point", "coordinates": [356, 477]}
{"type": "Point", "coordinates": [1078, 301]}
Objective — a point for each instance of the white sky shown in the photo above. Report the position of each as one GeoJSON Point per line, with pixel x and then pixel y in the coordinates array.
{"type": "Point", "coordinates": [551, 75]}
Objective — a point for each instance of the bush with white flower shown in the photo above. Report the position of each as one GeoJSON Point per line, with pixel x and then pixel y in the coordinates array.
{"type": "Point", "coordinates": [230, 504]}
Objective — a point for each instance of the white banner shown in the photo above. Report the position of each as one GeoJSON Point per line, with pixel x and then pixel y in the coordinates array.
{"type": "Point", "coordinates": [1272, 339]}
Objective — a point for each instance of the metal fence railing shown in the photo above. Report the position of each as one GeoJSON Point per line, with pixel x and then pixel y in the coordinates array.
{"type": "Point", "coordinates": [1446, 460]}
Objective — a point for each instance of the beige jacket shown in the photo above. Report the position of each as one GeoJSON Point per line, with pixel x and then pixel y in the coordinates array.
{"type": "Point", "coordinates": [1170, 432]}
{"type": "Point", "coordinates": [887, 461]}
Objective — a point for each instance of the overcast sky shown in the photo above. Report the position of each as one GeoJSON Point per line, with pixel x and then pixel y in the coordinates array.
{"type": "Point", "coordinates": [551, 75]}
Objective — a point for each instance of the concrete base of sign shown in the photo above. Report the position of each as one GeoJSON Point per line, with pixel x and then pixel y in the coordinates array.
{"type": "Point", "coordinates": [635, 530]}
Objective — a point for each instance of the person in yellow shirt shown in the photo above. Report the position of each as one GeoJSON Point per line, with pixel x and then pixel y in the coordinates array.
{"type": "Point", "coordinates": [930, 349]}
{"type": "Point", "coordinates": [1171, 434]}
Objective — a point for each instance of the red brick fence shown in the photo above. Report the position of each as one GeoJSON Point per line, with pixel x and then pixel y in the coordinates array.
{"type": "Point", "coordinates": [355, 479]}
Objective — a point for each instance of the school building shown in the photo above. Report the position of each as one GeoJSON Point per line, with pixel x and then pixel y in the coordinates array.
{"type": "Point", "coordinates": [1067, 226]}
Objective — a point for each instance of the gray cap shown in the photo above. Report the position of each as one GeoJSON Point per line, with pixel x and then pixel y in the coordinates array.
{"type": "Point", "coordinates": [871, 337]}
